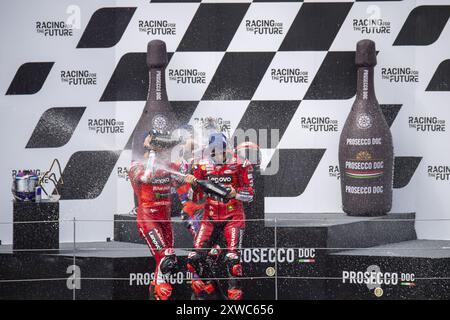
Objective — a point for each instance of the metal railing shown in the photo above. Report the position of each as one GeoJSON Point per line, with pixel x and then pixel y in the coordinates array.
{"type": "Point", "coordinates": [75, 251]}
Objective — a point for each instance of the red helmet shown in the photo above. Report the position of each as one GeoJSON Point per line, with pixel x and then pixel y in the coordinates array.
{"type": "Point", "coordinates": [249, 151]}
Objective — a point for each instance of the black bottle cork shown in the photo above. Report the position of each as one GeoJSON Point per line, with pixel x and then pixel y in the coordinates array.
{"type": "Point", "coordinates": [366, 55]}
{"type": "Point", "coordinates": [156, 54]}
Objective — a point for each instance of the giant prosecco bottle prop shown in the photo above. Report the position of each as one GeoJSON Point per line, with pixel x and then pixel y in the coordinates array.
{"type": "Point", "coordinates": [365, 147]}
{"type": "Point", "coordinates": [157, 113]}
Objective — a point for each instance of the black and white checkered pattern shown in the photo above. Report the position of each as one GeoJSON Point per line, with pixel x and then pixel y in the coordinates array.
{"type": "Point", "coordinates": [46, 118]}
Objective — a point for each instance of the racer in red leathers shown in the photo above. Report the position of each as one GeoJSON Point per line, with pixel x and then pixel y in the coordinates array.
{"type": "Point", "coordinates": [222, 216]}
{"type": "Point", "coordinates": [152, 185]}
{"type": "Point", "coordinates": [192, 209]}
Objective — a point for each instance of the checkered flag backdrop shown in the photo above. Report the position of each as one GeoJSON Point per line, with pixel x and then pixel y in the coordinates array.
{"type": "Point", "coordinates": [74, 82]}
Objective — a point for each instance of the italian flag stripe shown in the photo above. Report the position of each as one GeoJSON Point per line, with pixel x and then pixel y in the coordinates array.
{"type": "Point", "coordinates": [306, 260]}
{"type": "Point", "coordinates": [409, 284]}
{"type": "Point", "coordinates": [363, 171]}
{"type": "Point", "coordinates": [364, 176]}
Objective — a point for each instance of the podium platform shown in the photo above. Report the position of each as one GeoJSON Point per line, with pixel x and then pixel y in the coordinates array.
{"type": "Point", "coordinates": [310, 253]}
{"type": "Point", "coordinates": [325, 233]}
{"type": "Point", "coordinates": [338, 231]}
{"type": "Point", "coordinates": [108, 270]}
{"type": "Point", "coordinates": [422, 268]}
{"type": "Point", "coordinates": [304, 242]}
{"type": "Point", "coordinates": [35, 225]}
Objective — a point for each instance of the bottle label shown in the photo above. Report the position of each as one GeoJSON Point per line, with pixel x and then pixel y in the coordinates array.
{"type": "Point", "coordinates": [364, 189]}
{"type": "Point", "coordinates": [363, 141]}
{"type": "Point", "coordinates": [364, 167]}
{"type": "Point", "coordinates": [365, 84]}
{"type": "Point", "coordinates": [158, 85]}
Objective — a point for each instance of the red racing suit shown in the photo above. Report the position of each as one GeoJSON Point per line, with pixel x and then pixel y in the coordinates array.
{"type": "Point", "coordinates": [223, 217]}
{"type": "Point", "coordinates": [153, 215]}
{"type": "Point", "coordinates": [192, 210]}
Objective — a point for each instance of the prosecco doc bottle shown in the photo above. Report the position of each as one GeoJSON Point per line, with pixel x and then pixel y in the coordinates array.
{"type": "Point", "coordinates": [366, 156]}
{"type": "Point", "coordinates": [157, 114]}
